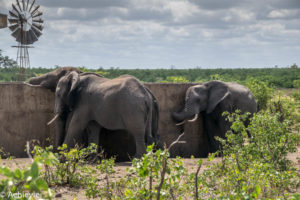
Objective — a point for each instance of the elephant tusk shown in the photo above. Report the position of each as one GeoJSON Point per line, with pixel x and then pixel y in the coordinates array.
{"type": "Point", "coordinates": [194, 119]}
{"type": "Point", "coordinates": [54, 118]}
{"type": "Point", "coordinates": [180, 123]}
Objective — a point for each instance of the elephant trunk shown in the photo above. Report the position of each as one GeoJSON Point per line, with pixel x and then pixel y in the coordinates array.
{"type": "Point", "coordinates": [178, 116]}
{"type": "Point", "coordinates": [35, 80]}
{"type": "Point", "coordinates": [186, 114]}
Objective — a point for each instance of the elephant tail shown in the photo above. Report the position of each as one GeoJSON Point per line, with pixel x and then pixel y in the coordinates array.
{"type": "Point", "coordinates": [152, 120]}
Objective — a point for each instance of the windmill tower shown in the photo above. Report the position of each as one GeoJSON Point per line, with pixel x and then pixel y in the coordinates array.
{"type": "Point", "coordinates": [26, 25]}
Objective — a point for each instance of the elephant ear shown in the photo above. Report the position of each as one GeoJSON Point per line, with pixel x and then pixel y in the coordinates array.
{"type": "Point", "coordinates": [218, 91]}
{"type": "Point", "coordinates": [74, 81]}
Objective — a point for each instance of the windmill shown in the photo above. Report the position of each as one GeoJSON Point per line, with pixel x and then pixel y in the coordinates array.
{"type": "Point", "coordinates": [26, 25]}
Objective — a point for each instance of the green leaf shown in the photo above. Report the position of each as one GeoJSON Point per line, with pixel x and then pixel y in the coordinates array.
{"type": "Point", "coordinates": [41, 184]}
{"type": "Point", "coordinates": [18, 174]}
{"type": "Point", "coordinates": [34, 170]}
{"type": "Point", "coordinates": [6, 172]}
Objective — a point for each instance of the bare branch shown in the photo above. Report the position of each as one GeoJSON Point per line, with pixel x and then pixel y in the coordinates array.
{"type": "Point", "coordinates": [177, 141]}
{"type": "Point", "coordinates": [28, 151]}
{"type": "Point", "coordinates": [196, 181]}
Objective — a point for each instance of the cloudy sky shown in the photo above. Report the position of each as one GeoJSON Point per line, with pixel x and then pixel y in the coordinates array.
{"type": "Point", "coordinates": [164, 33]}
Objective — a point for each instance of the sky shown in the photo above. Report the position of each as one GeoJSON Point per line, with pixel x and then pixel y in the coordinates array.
{"type": "Point", "coordinates": [164, 33]}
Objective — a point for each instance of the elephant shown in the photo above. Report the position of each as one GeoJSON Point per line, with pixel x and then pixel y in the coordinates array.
{"type": "Point", "coordinates": [121, 103]}
{"type": "Point", "coordinates": [210, 100]}
{"type": "Point", "coordinates": [50, 79]}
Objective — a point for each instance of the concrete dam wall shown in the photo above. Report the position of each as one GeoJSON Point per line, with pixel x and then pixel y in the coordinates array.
{"type": "Point", "coordinates": [25, 111]}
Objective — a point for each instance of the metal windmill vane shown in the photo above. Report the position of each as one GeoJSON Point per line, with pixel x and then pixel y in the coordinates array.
{"type": "Point", "coordinates": [26, 25]}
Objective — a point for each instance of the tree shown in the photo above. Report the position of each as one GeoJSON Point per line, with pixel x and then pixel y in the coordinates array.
{"type": "Point", "coordinates": [6, 62]}
{"type": "Point", "coordinates": [294, 66]}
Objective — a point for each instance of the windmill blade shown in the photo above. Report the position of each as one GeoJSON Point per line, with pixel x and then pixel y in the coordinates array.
{"type": "Point", "coordinates": [13, 27]}
{"type": "Point", "coordinates": [19, 5]}
{"type": "Point", "coordinates": [38, 14]}
{"type": "Point", "coordinates": [32, 35]}
{"type": "Point", "coordinates": [38, 26]}
{"type": "Point", "coordinates": [40, 20]}
{"type": "Point", "coordinates": [35, 9]}
{"type": "Point", "coordinates": [31, 6]}
{"type": "Point", "coordinates": [15, 9]}
{"type": "Point", "coordinates": [28, 38]}
{"type": "Point", "coordinates": [13, 21]}
{"type": "Point", "coordinates": [36, 31]}
{"type": "Point", "coordinates": [17, 34]}
{"type": "Point", "coordinates": [23, 2]}
{"type": "Point", "coordinates": [27, 4]}
{"type": "Point", "coordinates": [12, 14]}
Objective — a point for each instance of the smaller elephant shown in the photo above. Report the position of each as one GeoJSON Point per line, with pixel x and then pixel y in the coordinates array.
{"type": "Point", "coordinates": [211, 99]}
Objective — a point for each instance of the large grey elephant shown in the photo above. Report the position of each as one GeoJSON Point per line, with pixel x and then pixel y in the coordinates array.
{"type": "Point", "coordinates": [211, 99]}
{"type": "Point", "coordinates": [122, 103]}
{"type": "Point", "coordinates": [50, 81]}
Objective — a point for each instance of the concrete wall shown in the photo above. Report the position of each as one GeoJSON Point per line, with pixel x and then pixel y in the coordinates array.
{"type": "Point", "coordinates": [25, 110]}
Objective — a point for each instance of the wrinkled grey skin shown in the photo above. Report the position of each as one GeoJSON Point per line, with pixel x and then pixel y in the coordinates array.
{"type": "Point", "coordinates": [210, 100]}
{"type": "Point", "coordinates": [50, 79]}
{"type": "Point", "coordinates": [122, 103]}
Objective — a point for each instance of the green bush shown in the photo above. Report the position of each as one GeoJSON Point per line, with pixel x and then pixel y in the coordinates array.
{"type": "Point", "coordinates": [24, 184]}
{"type": "Point", "coordinates": [257, 166]}
{"type": "Point", "coordinates": [296, 96]}
{"type": "Point", "coordinates": [262, 92]}
{"type": "Point", "coordinates": [177, 79]}
{"type": "Point", "coordinates": [73, 170]}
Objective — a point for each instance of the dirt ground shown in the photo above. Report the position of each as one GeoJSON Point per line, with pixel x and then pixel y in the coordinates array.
{"type": "Point", "coordinates": [65, 193]}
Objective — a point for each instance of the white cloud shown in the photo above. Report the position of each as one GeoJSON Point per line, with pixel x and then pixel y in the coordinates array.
{"type": "Point", "coordinates": [284, 13]}
{"type": "Point", "coordinates": [181, 9]}
{"type": "Point", "coordinates": [161, 33]}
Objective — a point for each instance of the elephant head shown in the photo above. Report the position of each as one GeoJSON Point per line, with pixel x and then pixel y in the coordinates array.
{"type": "Point", "coordinates": [50, 79]}
{"type": "Point", "coordinates": [65, 94]}
{"type": "Point", "coordinates": [201, 98]}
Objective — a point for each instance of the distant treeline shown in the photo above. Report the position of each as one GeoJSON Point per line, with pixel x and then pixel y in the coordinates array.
{"type": "Point", "coordinates": [278, 77]}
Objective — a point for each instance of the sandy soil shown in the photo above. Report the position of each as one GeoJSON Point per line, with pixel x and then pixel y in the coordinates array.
{"type": "Point", "coordinates": [65, 193]}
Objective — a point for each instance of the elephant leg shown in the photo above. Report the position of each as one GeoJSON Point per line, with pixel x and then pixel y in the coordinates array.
{"type": "Point", "coordinates": [224, 126]}
{"type": "Point", "coordinates": [138, 131]}
{"type": "Point", "coordinates": [60, 126]}
{"type": "Point", "coordinates": [76, 128]}
{"type": "Point", "coordinates": [94, 130]}
{"type": "Point", "coordinates": [140, 144]}
{"type": "Point", "coordinates": [211, 129]}
{"type": "Point", "coordinates": [93, 135]}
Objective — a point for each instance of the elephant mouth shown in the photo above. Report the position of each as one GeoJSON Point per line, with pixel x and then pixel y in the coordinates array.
{"type": "Point", "coordinates": [53, 119]}
{"type": "Point", "coordinates": [189, 120]}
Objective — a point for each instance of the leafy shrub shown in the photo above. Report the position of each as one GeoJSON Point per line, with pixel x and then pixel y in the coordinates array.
{"type": "Point", "coordinates": [24, 184]}
{"type": "Point", "coordinates": [262, 92]}
{"type": "Point", "coordinates": [177, 79]}
{"type": "Point", "coordinates": [156, 175]}
{"type": "Point", "coordinates": [296, 96]}
{"type": "Point", "coordinates": [257, 166]}
{"type": "Point", "coordinates": [94, 190]}
{"type": "Point", "coordinates": [73, 170]}
{"type": "Point", "coordinates": [153, 175]}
